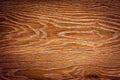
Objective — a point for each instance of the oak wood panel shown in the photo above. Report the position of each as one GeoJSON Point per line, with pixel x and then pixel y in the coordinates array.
{"type": "Point", "coordinates": [60, 40]}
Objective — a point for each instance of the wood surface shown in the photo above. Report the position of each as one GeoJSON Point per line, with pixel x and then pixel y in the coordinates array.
{"type": "Point", "coordinates": [59, 39]}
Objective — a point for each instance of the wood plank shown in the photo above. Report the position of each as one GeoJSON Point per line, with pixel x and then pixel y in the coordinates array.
{"type": "Point", "coordinates": [60, 40]}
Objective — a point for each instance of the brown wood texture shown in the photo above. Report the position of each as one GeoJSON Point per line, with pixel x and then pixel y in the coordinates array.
{"type": "Point", "coordinates": [60, 40]}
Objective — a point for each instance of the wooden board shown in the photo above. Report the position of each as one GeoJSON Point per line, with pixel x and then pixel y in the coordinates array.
{"type": "Point", "coordinates": [60, 40]}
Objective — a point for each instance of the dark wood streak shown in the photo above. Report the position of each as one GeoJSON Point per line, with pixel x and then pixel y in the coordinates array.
{"type": "Point", "coordinates": [60, 40]}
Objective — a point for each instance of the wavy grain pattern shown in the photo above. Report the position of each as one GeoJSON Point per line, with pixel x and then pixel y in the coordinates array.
{"type": "Point", "coordinates": [60, 40]}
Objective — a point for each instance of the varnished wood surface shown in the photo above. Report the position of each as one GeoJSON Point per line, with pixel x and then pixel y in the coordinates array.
{"type": "Point", "coordinates": [60, 40]}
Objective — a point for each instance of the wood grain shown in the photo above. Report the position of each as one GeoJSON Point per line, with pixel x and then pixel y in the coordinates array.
{"type": "Point", "coordinates": [60, 40]}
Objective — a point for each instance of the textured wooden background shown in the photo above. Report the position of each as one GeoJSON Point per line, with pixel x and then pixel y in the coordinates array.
{"type": "Point", "coordinates": [60, 40]}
